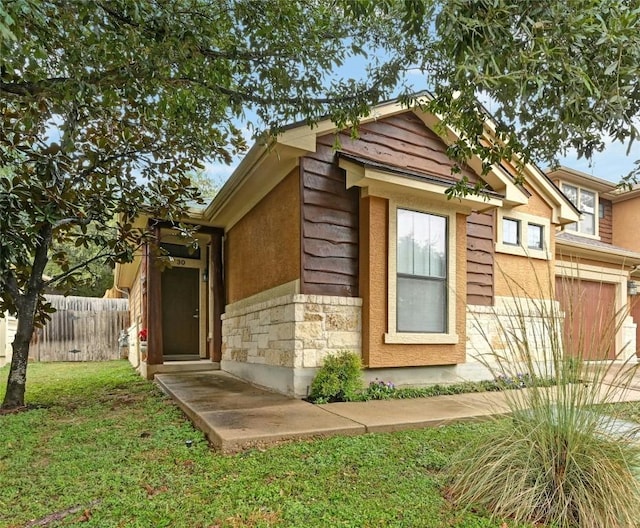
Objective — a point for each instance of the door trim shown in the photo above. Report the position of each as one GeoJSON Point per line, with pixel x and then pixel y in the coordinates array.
{"type": "Point", "coordinates": [200, 264]}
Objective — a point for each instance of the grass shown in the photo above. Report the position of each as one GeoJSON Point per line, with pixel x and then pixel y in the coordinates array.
{"type": "Point", "coordinates": [100, 438]}
{"type": "Point", "coordinates": [557, 462]}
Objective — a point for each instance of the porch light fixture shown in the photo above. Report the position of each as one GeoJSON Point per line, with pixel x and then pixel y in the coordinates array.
{"type": "Point", "coordinates": [632, 287]}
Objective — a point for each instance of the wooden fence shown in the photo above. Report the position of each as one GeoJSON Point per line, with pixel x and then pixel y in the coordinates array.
{"type": "Point", "coordinates": [81, 329]}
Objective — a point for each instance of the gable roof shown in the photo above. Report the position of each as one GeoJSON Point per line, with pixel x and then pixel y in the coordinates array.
{"type": "Point", "coordinates": [270, 160]}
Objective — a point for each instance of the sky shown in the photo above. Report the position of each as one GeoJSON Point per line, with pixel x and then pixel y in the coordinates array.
{"type": "Point", "coordinates": [611, 164]}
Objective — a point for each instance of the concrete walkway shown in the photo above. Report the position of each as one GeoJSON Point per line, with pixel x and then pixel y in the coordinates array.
{"type": "Point", "coordinates": [236, 415]}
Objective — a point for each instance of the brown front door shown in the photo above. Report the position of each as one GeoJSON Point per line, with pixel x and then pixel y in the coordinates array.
{"type": "Point", "coordinates": [180, 313]}
{"type": "Point", "coordinates": [590, 318]}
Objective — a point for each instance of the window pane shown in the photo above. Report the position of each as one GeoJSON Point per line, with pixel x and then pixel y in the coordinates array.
{"type": "Point", "coordinates": [588, 209]}
{"type": "Point", "coordinates": [535, 234]}
{"type": "Point", "coordinates": [587, 202]}
{"type": "Point", "coordinates": [422, 244]}
{"type": "Point", "coordinates": [438, 246]}
{"type": "Point", "coordinates": [405, 242]}
{"type": "Point", "coordinates": [571, 193]}
{"type": "Point", "coordinates": [510, 231]}
{"type": "Point", "coordinates": [588, 224]}
{"type": "Point", "coordinates": [421, 305]}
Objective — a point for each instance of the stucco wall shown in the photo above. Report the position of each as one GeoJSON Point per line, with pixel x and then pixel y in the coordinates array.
{"type": "Point", "coordinates": [626, 218]}
{"type": "Point", "coordinates": [263, 249]}
{"type": "Point", "coordinates": [522, 276]}
{"type": "Point", "coordinates": [374, 286]}
{"type": "Point", "coordinates": [536, 206]}
{"type": "Point", "coordinates": [135, 298]}
{"type": "Point", "coordinates": [135, 313]}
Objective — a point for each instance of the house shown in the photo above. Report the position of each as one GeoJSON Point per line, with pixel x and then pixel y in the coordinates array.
{"type": "Point", "coordinates": [320, 242]}
{"type": "Point", "coordinates": [8, 327]}
{"type": "Point", "coordinates": [603, 252]}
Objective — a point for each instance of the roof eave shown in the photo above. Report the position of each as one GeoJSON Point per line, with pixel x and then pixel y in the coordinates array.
{"type": "Point", "coordinates": [614, 256]}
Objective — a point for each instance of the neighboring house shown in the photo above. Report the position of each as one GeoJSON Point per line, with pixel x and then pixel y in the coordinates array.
{"type": "Point", "coordinates": [603, 251]}
{"type": "Point", "coordinates": [8, 327]}
{"type": "Point", "coordinates": [320, 243]}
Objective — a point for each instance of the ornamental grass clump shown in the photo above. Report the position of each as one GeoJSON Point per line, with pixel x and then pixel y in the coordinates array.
{"type": "Point", "coordinates": [560, 460]}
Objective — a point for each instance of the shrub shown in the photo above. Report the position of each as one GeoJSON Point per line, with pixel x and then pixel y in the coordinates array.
{"type": "Point", "coordinates": [559, 461]}
{"type": "Point", "coordinates": [339, 379]}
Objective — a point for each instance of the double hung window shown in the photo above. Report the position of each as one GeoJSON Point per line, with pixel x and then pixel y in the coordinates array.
{"type": "Point", "coordinates": [421, 283]}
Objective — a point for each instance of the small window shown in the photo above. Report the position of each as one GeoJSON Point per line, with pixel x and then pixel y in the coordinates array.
{"type": "Point", "coordinates": [181, 251]}
{"type": "Point", "coordinates": [535, 236]}
{"type": "Point", "coordinates": [601, 210]}
{"type": "Point", "coordinates": [511, 231]}
{"type": "Point", "coordinates": [523, 234]}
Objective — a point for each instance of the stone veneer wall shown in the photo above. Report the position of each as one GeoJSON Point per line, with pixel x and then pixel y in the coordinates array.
{"type": "Point", "coordinates": [279, 343]}
{"type": "Point", "coordinates": [496, 329]}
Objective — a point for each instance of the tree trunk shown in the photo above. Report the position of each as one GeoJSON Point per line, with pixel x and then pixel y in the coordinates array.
{"type": "Point", "coordinates": [26, 310]}
{"type": "Point", "coordinates": [16, 384]}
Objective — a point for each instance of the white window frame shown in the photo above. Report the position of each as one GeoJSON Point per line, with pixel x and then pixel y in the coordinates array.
{"type": "Point", "coordinates": [393, 336]}
{"type": "Point", "coordinates": [596, 213]}
{"type": "Point", "coordinates": [522, 249]}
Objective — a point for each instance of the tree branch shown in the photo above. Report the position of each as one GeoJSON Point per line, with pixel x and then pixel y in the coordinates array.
{"type": "Point", "coordinates": [77, 267]}
{"type": "Point", "coordinates": [253, 98]}
{"type": "Point", "coordinates": [234, 55]}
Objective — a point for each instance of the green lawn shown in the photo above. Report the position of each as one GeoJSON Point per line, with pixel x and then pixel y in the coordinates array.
{"type": "Point", "coordinates": [101, 438]}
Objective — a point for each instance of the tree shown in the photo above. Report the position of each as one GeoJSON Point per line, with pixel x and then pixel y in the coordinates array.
{"type": "Point", "coordinates": [106, 107]}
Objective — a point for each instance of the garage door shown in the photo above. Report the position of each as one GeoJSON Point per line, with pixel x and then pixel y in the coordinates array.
{"type": "Point", "coordinates": [589, 324]}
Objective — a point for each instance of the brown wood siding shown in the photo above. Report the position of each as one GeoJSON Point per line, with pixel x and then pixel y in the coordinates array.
{"type": "Point", "coordinates": [329, 219]}
{"type": "Point", "coordinates": [330, 211]}
{"type": "Point", "coordinates": [605, 226]}
{"type": "Point", "coordinates": [480, 259]}
{"type": "Point", "coordinates": [403, 141]}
